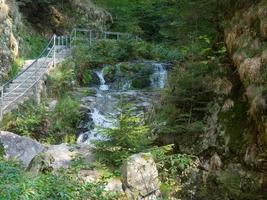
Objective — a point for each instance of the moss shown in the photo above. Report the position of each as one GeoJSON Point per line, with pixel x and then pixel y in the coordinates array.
{"type": "Point", "coordinates": [15, 67]}
{"type": "Point", "coordinates": [109, 73]}
{"type": "Point", "coordinates": [231, 182]}
{"type": "Point", "coordinates": [141, 82]}
{"type": "Point", "coordinates": [2, 150]}
{"type": "Point", "coordinates": [235, 124]}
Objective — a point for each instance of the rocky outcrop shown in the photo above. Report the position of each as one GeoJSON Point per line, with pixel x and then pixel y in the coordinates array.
{"type": "Point", "coordinates": [91, 15]}
{"type": "Point", "coordinates": [60, 17]}
{"type": "Point", "coordinates": [140, 177]}
{"type": "Point", "coordinates": [8, 43]}
{"type": "Point", "coordinates": [245, 39]}
{"type": "Point", "coordinates": [23, 149]}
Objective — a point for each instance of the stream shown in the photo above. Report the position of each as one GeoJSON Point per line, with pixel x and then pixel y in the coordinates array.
{"type": "Point", "coordinates": [105, 103]}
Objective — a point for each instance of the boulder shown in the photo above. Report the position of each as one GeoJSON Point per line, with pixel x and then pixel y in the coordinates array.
{"type": "Point", "coordinates": [21, 148]}
{"type": "Point", "coordinates": [41, 163]}
{"type": "Point", "coordinates": [114, 185]}
{"type": "Point", "coordinates": [63, 154]}
{"type": "Point", "coordinates": [140, 177]}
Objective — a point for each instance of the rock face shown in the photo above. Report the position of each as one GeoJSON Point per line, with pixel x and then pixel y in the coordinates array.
{"type": "Point", "coordinates": [140, 177]}
{"type": "Point", "coordinates": [91, 15]}
{"type": "Point", "coordinates": [8, 42]}
{"type": "Point", "coordinates": [22, 148]}
{"type": "Point", "coordinates": [245, 39]}
{"type": "Point", "coordinates": [63, 154]}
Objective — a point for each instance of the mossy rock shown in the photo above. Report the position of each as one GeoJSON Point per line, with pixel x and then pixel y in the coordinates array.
{"type": "Point", "coordinates": [140, 83]}
{"type": "Point", "coordinates": [91, 78]}
{"type": "Point", "coordinates": [109, 73]}
{"type": "Point", "coordinates": [41, 163]}
{"type": "Point", "coordinates": [136, 68]}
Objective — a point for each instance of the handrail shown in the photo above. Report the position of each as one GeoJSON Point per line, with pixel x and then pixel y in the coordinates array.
{"type": "Point", "coordinates": [50, 49]}
{"type": "Point", "coordinates": [30, 64]}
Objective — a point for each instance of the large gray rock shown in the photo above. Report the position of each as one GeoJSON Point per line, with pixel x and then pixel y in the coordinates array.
{"type": "Point", "coordinates": [63, 154]}
{"type": "Point", "coordinates": [140, 177]}
{"type": "Point", "coordinates": [21, 148]}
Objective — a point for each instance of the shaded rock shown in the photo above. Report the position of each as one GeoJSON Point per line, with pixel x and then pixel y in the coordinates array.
{"type": "Point", "coordinates": [140, 177]}
{"type": "Point", "coordinates": [251, 155]}
{"type": "Point", "coordinates": [114, 185]}
{"type": "Point", "coordinates": [140, 83]}
{"type": "Point", "coordinates": [92, 79]}
{"type": "Point", "coordinates": [23, 149]}
{"type": "Point", "coordinates": [215, 162]}
{"type": "Point", "coordinates": [52, 105]}
{"type": "Point", "coordinates": [63, 154]}
{"type": "Point", "coordinates": [89, 176]}
{"type": "Point", "coordinates": [41, 163]}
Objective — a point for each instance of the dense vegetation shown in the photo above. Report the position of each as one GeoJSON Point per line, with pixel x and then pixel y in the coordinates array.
{"type": "Point", "coordinates": [188, 34]}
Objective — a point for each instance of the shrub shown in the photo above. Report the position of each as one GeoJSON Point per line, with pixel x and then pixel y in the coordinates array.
{"type": "Point", "coordinates": [16, 184]}
{"type": "Point", "coordinates": [129, 137]}
{"type": "Point", "coordinates": [61, 79]}
{"type": "Point", "coordinates": [66, 118]}
{"type": "Point", "coordinates": [26, 120]}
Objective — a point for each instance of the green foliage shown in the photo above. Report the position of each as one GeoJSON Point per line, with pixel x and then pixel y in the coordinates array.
{"type": "Point", "coordinates": [66, 118]}
{"type": "Point", "coordinates": [32, 43]}
{"type": "Point", "coordinates": [173, 22]}
{"type": "Point", "coordinates": [62, 79]}
{"type": "Point", "coordinates": [112, 51]}
{"type": "Point", "coordinates": [127, 138]}
{"type": "Point", "coordinates": [2, 150]}
{"type": "Point", "coordinates": [170, 166]}
{"type": "Point", "coordinates": [36, 121]}
{"type": "Point", "coordinates": [25, 120]}
{"type": "Point", "coordinates": [16, 184]}
{"type": "Point", "coordinates": [15, 67]}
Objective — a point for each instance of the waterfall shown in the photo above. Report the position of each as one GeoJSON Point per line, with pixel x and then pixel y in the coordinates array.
{"type": "Point", "coordinates": [159, 77]}
{"type": "Point", "coordinates": [104, 105]}
{"type": "Point", "coordinates": [103, 85]}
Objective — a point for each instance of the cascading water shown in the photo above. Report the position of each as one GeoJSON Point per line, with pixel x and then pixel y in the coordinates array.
{"type": "Point", "coordinates": [103, 85]}
{"type": "Point", "coordinates": [159, 77]}
{"type": "Point", "coordinates": [104, 105]}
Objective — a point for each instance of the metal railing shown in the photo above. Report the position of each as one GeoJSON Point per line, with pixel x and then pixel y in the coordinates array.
{"type": "Point", "coordinates": [39, 67]}
{"type": "Point", "coordinates": [79, 34]}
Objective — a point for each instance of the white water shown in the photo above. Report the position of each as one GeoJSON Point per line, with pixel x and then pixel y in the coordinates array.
{"type": "Point", "coordinates": [103, 85]}
{"type": "Point", "coordinates": [105, 109]}
{"type": "Point", "coordinates": [159, 78]}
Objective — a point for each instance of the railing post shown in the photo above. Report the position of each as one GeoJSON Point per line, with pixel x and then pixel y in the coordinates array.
{"type": "Point", "coordinates": [54, 51]}
{"type": "Point", "coordinates": [58, 41]}
{"type": "Point", "coordinates": [2, 103]}
{"type": "Point", "coordinates": [35, 89]}
{"type": "Point", "coordinates": [105, 35]}
{"type": "Point", "coordinates": [66, 41]}
{"type": "Point", "coordinates": [90, 37]}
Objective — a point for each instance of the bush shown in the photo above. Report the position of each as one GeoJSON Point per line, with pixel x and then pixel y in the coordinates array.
{"type": "Point", "coordinates": [129, 137]}
{"type": "Point", "coordinates": [62, 79]}
{"type": "Point", "coordinates": [16, 184]}
{"type": "Point", "coordinates": [26, 120]}
{"type": "Point", "coordinates": [65, 119]}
